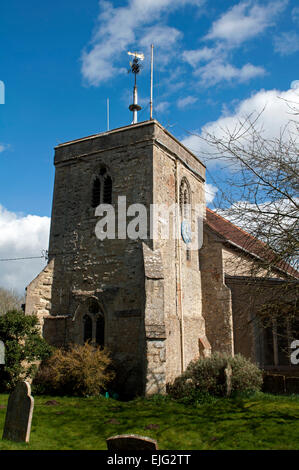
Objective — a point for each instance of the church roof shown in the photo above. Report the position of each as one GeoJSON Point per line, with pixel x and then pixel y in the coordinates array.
{"type": "Point", "coordinates": [243, 240]}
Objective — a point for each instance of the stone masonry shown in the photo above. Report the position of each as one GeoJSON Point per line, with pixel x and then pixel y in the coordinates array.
{"type": "Point", "coordinates": [160, 306]}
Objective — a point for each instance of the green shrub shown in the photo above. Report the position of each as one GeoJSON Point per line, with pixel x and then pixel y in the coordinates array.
{"type": "Point", "coordinates": [44, 382]}
{"type": "Point", "coordinates": [247, 377]}
{"type": "Point", "coordinates": [24, 347]}
{"type": "Point", "coordinates": [205, 377]}
{"type": "Point", "coordinates": [82, 370]}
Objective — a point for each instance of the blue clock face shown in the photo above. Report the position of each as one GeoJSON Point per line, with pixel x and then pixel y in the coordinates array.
{"type": "Point", "coordinates": [186, 232]}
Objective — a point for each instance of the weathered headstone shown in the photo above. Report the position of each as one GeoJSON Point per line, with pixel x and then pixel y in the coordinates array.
{"type": "Point", "coordinates": [19, 414]}
{"type": "Point", "coordinates": [2, 353]}
{"type": "Point", "coordinates": [228, 379]}
{"type": "Point", "coordinates": [131, 442]}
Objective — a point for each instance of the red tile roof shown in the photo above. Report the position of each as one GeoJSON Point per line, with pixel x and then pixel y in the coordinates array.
{"type": "Point", "coordinates": [237, 236]}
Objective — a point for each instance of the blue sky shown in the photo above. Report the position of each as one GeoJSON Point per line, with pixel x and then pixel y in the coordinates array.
{"type": "Point", "coordinates": [60, 61]}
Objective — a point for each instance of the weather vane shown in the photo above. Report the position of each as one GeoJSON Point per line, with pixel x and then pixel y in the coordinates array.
{"type": "Point", "coordinates": [135, 69]}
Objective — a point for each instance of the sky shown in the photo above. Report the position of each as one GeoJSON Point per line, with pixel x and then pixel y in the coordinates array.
{"type": "Point", "coordinates": [214, 62]}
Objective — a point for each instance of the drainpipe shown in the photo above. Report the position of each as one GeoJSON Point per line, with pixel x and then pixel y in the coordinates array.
{"type": "Point", "coordinates": [179, 273]}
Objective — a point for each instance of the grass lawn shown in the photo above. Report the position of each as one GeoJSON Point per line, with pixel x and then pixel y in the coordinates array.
{"type": "Point", "coordinates": [260, 422]}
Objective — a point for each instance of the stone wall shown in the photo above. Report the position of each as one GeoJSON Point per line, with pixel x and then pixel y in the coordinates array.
{"type": "Point", "coordinates": [110, 271]}
{"type": "Point", "coordinates": [149, 293]}
{"type": "Point", "coordinates": [216, 300]}
{"type": "Point", "coordinates": [238, 263]}
{"type": "Point", "coordinates": [39, 293]}
{"type": "Point", "coordinates": [243, 306]}
{"type": "Point", "coordinates": [184, 321]}
{"type": "Point", "coordinates": [249, 296]}
{"type": "Point", "coordinates": [154, 322]}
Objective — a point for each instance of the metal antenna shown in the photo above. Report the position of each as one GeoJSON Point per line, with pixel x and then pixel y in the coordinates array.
{"type": "Point", "coordinates": [152, 68]}
{"type": "Point", "coordinates": [135, 69]}
{"type": "Point", "coordinates": [107, 114]}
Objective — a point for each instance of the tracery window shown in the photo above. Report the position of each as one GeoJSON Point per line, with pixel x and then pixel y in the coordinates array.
{"type": "Point", "coordinates": [185, 209]}
{"type": "Point", "coordinates": [185, 199]}
{"type": "Point", "coordinates": [102, 189]}
{"type": "Point", "coordinates": [87, 328]}
{"type": "Point", "coordinates": [94, 324]}
{"type": "Point", "coordinates": [277, 336]}
{"type": "Point", "coordinates": [100, 330]}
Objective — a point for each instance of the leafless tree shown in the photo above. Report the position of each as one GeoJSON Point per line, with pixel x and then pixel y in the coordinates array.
{"type": "Point", "coordinates": [258, 190]}
{"type": "Point", "coordinates": [10, 300]}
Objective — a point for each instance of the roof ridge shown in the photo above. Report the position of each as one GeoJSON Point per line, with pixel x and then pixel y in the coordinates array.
{"type": "Point", "coordinates": [235, 235]}
{"type": "Point", "coordinates": [236, 226]}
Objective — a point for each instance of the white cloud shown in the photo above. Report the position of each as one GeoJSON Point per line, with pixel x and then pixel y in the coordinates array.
{"type": "Point", "coordinates": [276, 115]}
{"type": "Point", "coordinates": [187, 101]}
{"type": "Point", "coordinates": [242, 22]}
{"type": "Point", "coordinates": [20, 237]}
{"type": "Point", "coordinates": [2, 148]}
{"type": "Point", "coordinates": [286, 43]}
{"type": "Point", "coordinates": [295, 15]}
{"type": "Point", "coordinates": [211, 191]}
{"type": "Point", "coordinates": [217, 71]}
{"type": "Point", "coordinates": [193, 57]}
{"type": "Point", "coordinates": [245, 21]}
{"type": "Point", "coordinates": [194, 143]}
{"type": "Point", "coordinates": [165, 40]}
{"type": "Point", "coordinates": [161, 35]}
{"type": "Point", "coordinates": [251, 216]}
{"type": "Point", "coordinates": [119, 28]}
{"type": "Point", "coordinates": [172, 82]}
{"type": "Point", "coordinates": [162, 107]}
{"type": "Point", "coordinates": [211, 65]}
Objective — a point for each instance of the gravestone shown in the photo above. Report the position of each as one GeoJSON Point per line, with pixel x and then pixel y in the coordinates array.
{"type": "Point", "coordinates": [131, 442]}
{"type": "Point", "coordinates": [19, 414]}
{"type": "Point", "coordinates": [2, 353]}
{"type": "Point", "coordinates": [228, 379]}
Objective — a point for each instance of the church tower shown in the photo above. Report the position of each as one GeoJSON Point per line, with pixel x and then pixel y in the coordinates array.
{"type": "Point", "coordinates": [139, 296]}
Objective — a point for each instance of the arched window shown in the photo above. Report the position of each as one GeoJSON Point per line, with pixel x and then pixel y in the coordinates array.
{"type": "Point", "coordinates": [93, 306]}
{"type": "Point", "coordinates": [102, 189]}
{"type": "Point", "coordinates": [93, 323]}
{"type": "Point", "coordinates": [87, 328]}
{"type": "Point", "coordinates": [185, 208]}
{"type": "Point", "coordinates": [96, 192]}
{"type": "Point", "coordinates": [185, 199]}
{"type": "Point", "coordinates": [100, 331]}
{"type": "Point", "coordinates": [107, 190]}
